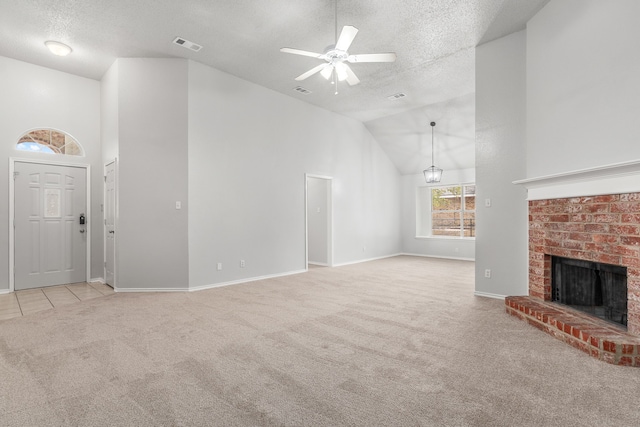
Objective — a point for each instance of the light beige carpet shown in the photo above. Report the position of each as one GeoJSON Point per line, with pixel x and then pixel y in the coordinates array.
{"type": "Point", "coordinates": [395, 342]}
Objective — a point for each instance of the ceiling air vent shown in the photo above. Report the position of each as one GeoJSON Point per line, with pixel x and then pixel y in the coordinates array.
{"type": "Point", "coordinates": [187, 44]}
{"type": "Point", "coordinates": [302, 90]}
{"type": "Point", "coordinates": [396, 96]}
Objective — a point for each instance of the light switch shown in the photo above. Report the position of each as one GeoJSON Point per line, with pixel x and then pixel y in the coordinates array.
{"type": "Point", "coordinates": [178, 205]}
{"type": "Point", "coordinates": [487, 203]}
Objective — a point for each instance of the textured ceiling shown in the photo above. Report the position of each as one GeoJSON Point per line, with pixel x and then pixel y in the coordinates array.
{"type": "Point", "coordinates": [434, 41]}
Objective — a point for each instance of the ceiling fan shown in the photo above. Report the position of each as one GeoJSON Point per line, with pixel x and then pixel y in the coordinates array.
{"type": "Point", "coordinates": [337, 57]}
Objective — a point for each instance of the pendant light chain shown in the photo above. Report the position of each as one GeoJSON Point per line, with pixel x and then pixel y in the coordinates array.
{"type": "Point", "coordinates": [433, 160]}
{"type": "Point", "coordinates": [334, 72]}
{"type": "Point", "coordinates": [336, 21]}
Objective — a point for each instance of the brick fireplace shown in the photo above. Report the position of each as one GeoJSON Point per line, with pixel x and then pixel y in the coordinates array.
{"type": "Point", "coordinates": [603, 229]}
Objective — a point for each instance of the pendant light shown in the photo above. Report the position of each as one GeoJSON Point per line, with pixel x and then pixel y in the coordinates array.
{"type": "Point", "coordinates": [432, 173]}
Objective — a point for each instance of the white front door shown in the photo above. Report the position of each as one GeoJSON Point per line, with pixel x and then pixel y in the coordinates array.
{"type": "Point", "coordinates": [50, 241]}
{"type": "Point", "coordinates": [109, 223]}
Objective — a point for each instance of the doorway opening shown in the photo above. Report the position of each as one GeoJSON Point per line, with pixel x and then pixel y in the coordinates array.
{"type": "Point", "coordinates": [319, 239]}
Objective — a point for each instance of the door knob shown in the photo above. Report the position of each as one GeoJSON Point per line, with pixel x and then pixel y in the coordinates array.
{"type": "Point", "coordinates": [82, 231]}
{"type": "Point", "coordinates": [111, 232]}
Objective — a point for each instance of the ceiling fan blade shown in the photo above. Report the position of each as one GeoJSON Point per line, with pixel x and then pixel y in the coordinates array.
{"type": "Point", "coordinates": [352, 79]}
{"type": "Point", "coordinates": [302, 52]}
{"type": "Point", "coordinates": [372, 57]}
{"type": "Point", "coordinates": [327, 71]}
{"type": "Point", "coordinates": [346, 37]}
{"type": "Point", "coordinates": [311, 72]}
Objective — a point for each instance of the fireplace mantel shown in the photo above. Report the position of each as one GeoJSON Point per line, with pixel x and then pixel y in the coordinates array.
{"type": "Point", "coordinates": [615, 178]}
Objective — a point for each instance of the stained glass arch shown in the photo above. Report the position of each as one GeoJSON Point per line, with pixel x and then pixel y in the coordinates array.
{"type": "Point", "coordinates": [50, 141]}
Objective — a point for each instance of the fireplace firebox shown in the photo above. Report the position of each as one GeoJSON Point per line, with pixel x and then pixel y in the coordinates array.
{"type": "Point", "coordinates": [591, 287]}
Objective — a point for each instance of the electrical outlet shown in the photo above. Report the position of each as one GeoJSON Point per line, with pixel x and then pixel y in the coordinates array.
{"type": "Point", "coordinates": [178, 205]}
{"type": "Point", "coordinates": [219, 266]}
{"type": "Point", "coordinates": [242, 264]}
{"type": "Point", "coordinates": [487, 273]}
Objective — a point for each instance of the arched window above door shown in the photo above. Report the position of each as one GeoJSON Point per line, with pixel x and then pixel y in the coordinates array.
{"type": "Point", "coordinates": [49, 141]}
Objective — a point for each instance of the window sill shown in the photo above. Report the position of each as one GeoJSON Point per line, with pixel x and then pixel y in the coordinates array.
{"type": "Point", "coordinates": [445, 238]}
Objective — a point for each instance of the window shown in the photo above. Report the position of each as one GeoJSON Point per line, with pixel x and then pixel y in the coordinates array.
{"type": "Point", "coordinates": [49, 141]}
{"type": "Point", "coordinates": [446, 211]}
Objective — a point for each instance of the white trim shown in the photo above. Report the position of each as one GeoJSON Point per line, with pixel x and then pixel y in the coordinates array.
{"type": "Point", "coordinates": [97, 279]}
{"type": "Point", "coordinates": [329, 220]}
{"type": "Point", "coordinates": [142, 290]}
{"type": "Point", "coordinates": [608, 179]}
{"type": "Point", "coordinates": [241, 281]}
{"type": "Point", "coordinates": [440, 257]}
{"type": "Point", "coordinates": [366, 260]}
{"type": "Point", "coordinates": [489, 295]}
{"type": "Point", "coordinates": [321, 264]}
{"type": "Point", "coordinates": [5, 291]}
{"type": "Point", "coordinates": [12, 262]}
{"type": "Point", "coordinates": [115, 222]}
{"type": "Point", "coordinates": [213, 285]}
{"type": "Point", "coordinates": [446, 238]}
{"type": "Point", "coordinates": [12, 161]}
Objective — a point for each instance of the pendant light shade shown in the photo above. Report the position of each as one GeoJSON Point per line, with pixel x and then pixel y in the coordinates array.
{"type": "Point", "coordinates": [432, 173]}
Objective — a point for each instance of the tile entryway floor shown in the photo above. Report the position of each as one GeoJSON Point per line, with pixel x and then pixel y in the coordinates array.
{"type": "Point", "coordinates": [29, 301]}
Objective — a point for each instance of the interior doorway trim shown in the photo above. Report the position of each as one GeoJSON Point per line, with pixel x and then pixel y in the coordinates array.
{"type": "Point", "coordinates": [329, 213]}
{"type": "Point", "coordinates": [12, 236]}
{"type": "Point", "coordinates": [113, 162]}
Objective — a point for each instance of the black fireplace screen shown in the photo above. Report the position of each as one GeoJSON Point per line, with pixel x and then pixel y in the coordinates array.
{"type": "Point", "coordinates": [595, 288]}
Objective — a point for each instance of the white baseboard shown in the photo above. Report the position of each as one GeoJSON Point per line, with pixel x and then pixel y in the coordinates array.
{"type": "Point", "coordinates": [247, 280]}
{"type": "Point", "coordinates": [365, 260]}
{"type": "Point", "coordinates": [125, 290]}
{"type": "Point", "coordinates": [97, 279]}
{"type": "Point", "coordinates": [489, 295]}
{"type": "Point", "coordinates": [321, 264]}
{"type": "Point", "coordinates": [5, 291]}
{"type": "Point", "coordinates": [440, 257]}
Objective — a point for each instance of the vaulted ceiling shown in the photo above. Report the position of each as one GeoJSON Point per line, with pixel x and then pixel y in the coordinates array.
{"type": "Point", "coordinates": [434, 41]}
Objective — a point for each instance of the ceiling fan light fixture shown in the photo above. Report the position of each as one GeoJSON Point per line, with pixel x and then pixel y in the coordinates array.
{"type": "Point", "coordinates": [327, 71]}
{"type": "Point", "coordinates": [432, 173]}
{"type": "Point", "coordinates": [58, 48]}
{"type": "Point", "coordinates": [341, 71]}
{"type": "Point", "coordinates": [336, 55]}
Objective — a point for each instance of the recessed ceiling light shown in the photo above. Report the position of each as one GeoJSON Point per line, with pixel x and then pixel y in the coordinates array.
{"type": "Point", "coordinates": [58, 48]}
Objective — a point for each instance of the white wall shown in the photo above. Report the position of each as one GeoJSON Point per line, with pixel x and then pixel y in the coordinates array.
{"type": "Point", "coordinates": [151, 234]}
{"type": "Point", "coordinates": [583, 65]}
{"type": "Point", "coordinates": [432, 246]}
{"type": "Point", "coordinates": [318, 193]}
{"type": "Point", "coordinates": [501, 234]}
{"type": "Point", "coordinates": [37, 97]}
{"type": "Point", "coordinates": [109, 113]}
{"type": "Point", "coordinates": [249, 150]}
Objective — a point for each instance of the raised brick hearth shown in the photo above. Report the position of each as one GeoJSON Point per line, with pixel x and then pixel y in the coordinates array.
{"type": "Point", "coordinates": [602, 229]}
{"type": "Point", "coordinates": [596, 337]}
